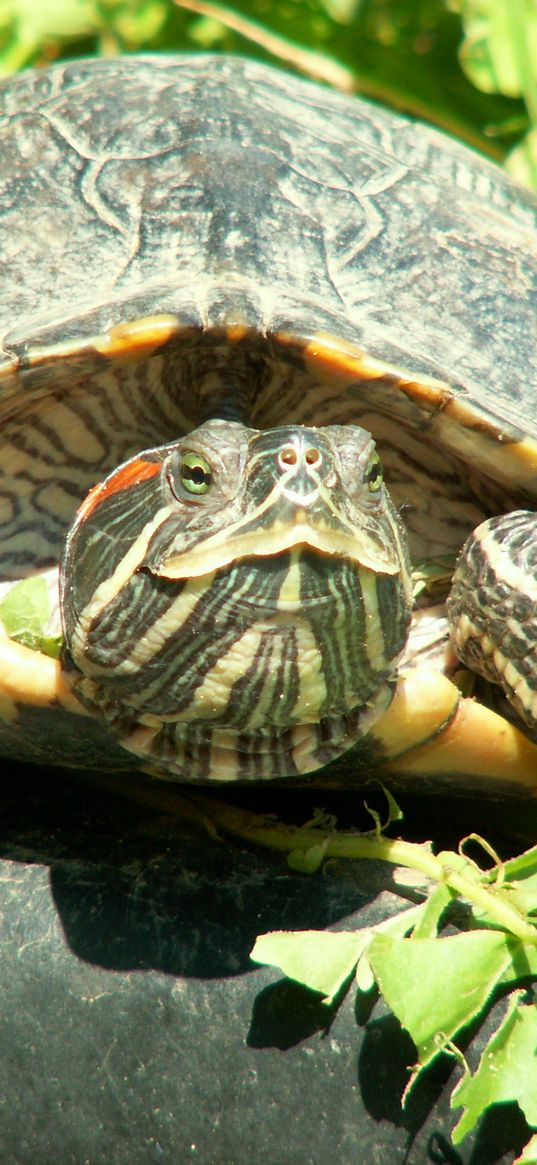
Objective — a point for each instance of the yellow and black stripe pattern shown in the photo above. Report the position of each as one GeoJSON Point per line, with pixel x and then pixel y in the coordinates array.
{"type": "Point", "coordinates": [492, 607]}
{"type": "Point", "coordinates": [235, 605]}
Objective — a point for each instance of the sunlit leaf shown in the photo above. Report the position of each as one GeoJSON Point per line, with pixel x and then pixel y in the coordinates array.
{"type": "Point", "coordinates": [322, 961]}
{"type": "Point", "coordinates": [436, 986]}
{"type": "Point", "coordinates": [433, 909]}
{"type": "Point", "coordinates": [499, 51]}
{"type": "Point", "coordinates": [507, 1071]}
{"type": "Point", "coordinates": [24, 613]}
{"type": "Point", "coordinates": [522, 161]}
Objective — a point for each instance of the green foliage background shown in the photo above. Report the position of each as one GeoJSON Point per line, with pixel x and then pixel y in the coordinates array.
{"type": "Point", "coordinates": [470, 66]}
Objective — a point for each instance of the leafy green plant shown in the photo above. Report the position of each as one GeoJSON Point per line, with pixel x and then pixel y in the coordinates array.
{"type": "Point", "coordinates": [499, 55]}
{"type": "Point", "coordinates": [438, 980]}
{"type": "Point", "coordinates": [437, 984]}
{"type": "Point", "coordinates": [33, 32]}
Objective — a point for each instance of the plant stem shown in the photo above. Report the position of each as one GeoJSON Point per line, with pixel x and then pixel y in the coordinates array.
{"type": "Point", "coordinates": [448, 867]}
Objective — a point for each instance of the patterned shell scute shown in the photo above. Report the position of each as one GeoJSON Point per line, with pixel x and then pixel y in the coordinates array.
{"type": "Point", "coordinates": [225, 192]}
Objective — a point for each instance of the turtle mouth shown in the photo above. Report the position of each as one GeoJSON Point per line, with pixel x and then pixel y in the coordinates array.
{"type": "Point", "coordinates": [362, 546]}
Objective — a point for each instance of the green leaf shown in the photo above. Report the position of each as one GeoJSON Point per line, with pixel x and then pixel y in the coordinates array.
{"type": "Point", "coordinates": [436, 986]}
{"type": "Point", "coordinates": [433, 910]}
{"type": "Point", "coordinates": [51, 645]}
{"type": "Point", "coordinates": [29, 27]}
{"type": "Point", "coordinates": [28, 24]}
{"type": "Point", "coordinates": [523, 962]}
{"type": "Point", "coordinates": [25, 612]}
{"type": "Point", "coordinates": [517, 883]}
{"type": "Point", "coordinates": [499, 51]}
{"type": "Point", "coordinates": [523, 866]}
{"type": "Point", "coordinates": [522, 161]}
{"type": "Point", "coordinates": [365, 979]}
{"type": "Point", "coordinates": [324, 960]}
{"type": "Point", "coordinates": [400, 924]}
{"type": "Point", "coordinates": [523, 896]}
{"type": "Point", "coordinates": [68, 18]}
{"type": "Point", "coordinates": [499, 54]}
{"type": "Point", "coordinates": [507, 1071]}
{"type": "Point", "coordinates": [136, 22]}
{"type": "Point", "coordinates": [321, 960]}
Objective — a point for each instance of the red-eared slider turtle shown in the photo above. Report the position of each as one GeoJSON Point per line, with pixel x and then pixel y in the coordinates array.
{"type": "Point", "coordinates": [229, 297]}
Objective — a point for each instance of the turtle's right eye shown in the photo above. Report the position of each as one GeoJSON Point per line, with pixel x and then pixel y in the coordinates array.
{"type": "Point", "coordinates": [192, 473]}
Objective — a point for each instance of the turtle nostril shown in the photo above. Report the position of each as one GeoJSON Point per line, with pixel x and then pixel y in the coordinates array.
{"type": "Point", "coordinates": [288, 456]}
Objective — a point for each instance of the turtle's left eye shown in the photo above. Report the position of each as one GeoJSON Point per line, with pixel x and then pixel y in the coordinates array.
{"type": "Point", "coordinates": [374, 475]}
{"type": "Point", "coordinates": [195, 473]}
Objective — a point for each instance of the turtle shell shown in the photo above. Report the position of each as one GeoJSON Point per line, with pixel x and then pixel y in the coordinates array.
{"type": "Point", "coordinates": [184, 237]}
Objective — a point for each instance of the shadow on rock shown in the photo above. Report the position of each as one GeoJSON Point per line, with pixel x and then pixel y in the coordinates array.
{"type": "Point", "coordinates": [138, 891]}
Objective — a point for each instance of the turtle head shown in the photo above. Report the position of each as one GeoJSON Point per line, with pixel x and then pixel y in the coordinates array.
{"type": "Point", "coordinates": [235, 604]}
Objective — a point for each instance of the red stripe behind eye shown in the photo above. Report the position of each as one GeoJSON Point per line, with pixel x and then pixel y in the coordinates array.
{"type": "Point", "coordinates": [132, 474]}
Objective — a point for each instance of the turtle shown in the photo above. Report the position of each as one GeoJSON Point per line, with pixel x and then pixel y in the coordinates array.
{"type": "Point", "coordinates": [268, 436]}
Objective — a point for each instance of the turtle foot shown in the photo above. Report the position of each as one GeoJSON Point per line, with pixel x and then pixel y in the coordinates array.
{"type": "Point", "coordinates": [431, 729]}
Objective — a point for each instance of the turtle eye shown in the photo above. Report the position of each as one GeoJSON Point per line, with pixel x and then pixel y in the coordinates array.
{"type": "Point", "coordinates": [195, 473]}
{"type": "Point", "coordinates": [374, 475]}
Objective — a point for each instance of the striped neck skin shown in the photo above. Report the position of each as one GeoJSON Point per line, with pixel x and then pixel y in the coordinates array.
{"type": "Point", "coordinates": [235, 605]}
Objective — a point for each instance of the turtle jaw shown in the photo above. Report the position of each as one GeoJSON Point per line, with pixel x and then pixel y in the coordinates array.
{"type": "Point", "coordinates": [267, 629]}
{"type": "Point", "coordinates": [295, 533]}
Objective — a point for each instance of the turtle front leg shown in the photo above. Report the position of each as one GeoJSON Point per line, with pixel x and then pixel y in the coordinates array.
{"type": "Point", "coordinates": [431, 732]}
